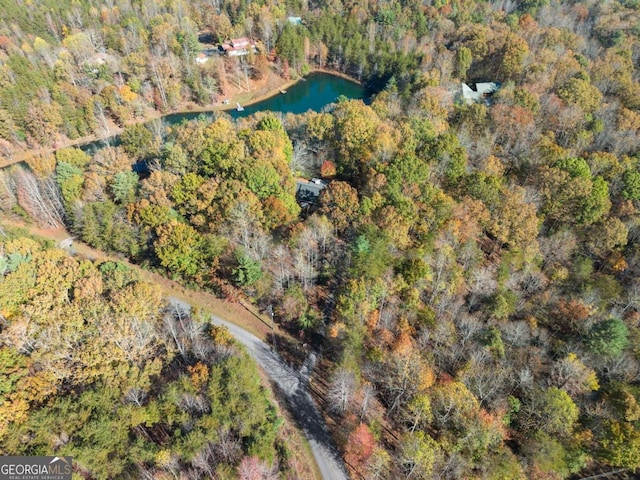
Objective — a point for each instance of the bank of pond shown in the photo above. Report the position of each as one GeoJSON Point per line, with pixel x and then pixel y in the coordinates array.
{"type": "Point", "coordinates": [314, 92]}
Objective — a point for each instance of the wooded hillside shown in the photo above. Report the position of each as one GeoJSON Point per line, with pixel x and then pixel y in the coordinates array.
{"type": "Point", "coordinates": [97, 365]}
{"type": "Point", "coordinates": [470, 270]}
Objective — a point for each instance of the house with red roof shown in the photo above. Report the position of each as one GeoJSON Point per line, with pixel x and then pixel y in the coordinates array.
{"type": "Point", "coordinates": [237, 47]}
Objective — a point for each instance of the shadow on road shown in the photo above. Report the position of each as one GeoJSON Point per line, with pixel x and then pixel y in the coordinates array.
{"type": "Point", "coordinates": [293, 353]}
{"type": "Point", "coordinates": [310, 420]}
{"type": "Point", "coordinates": [292, 386]}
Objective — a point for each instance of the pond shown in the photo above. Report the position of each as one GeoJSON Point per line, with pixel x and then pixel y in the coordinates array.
{"type": "Point", "coordinates": [314, 92]}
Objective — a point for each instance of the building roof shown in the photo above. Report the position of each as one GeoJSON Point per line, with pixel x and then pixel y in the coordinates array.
{"type": "Point", "coordinates": [480, 93]}
{"type": "Point", "coordinates": [238, 46]}
{"type": "Point", "coordinates": [295, 20]}
{"type": "Point", "coordinates": [308, 191]}
{"type": "Point", "coordinates": [236, 43]}
{"type": "Point", "coordinates": [486, 88]}
{"type": "Point", "coordinates": [240, 42]}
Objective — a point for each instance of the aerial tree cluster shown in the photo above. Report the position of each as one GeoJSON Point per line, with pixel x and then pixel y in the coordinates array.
{"type": "Point", "coordinates": [98, 365]}
{"type": "Point", "coordinates": [74, 70]}
{"type": "Point", "coordinates": [471, 269]}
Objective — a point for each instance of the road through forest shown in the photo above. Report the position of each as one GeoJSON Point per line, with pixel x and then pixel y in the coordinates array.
{"type": "Point", "coordinates": [293, 387]}
{"type": "Point", "coordinates": [291, 384]}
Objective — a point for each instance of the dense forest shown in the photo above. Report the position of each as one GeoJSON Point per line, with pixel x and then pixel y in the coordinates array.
{"type": "Point", "coordinates": [97, 365]}
{"type": "Point", "coordinates": [470, 269]}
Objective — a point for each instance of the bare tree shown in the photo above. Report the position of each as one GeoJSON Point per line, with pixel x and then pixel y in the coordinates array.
{"type": "Point", "coordinates": [524, 379]}
{"type": "Point", "coordinates": [172, 326]}
{"type": "Point", "coordinates": [153, 63]}
{"type": "Point", "coordinates": [486, 379]}
{"type": "Point", "coordinates": [323, 232]}
{"type": "Point", "coordinates": [631, 298]}
{"type": "Point", "coordinates": [96, 39]}
{"type": "Point", "coordinates": [252, 468]}
{"type": "Point", "coordinates": [136, 395]}
{"type": "Point", "coordinates": [306, 257]}
{"type": "Point", "coordinates": [40, 198]}
{"type": "Point", "coordinates": [571, 375]}
{"type": "Point", "coordinates": [245, 230]}
{"type": "Point", "coordinates": [228, 447]}
{"type": "Point", "coordinates": [302, 160]}
{"type": "Point", "coordinates": [368, 393]}
{"type": "Point", "coordinates": [205, 460]}
{"type": "Point", "coordinates": [7, 191]}
{"type": "Point", "coordinates": [194, 403]}
{"type": "Point", "coordinates": [53, 28]}
{"type": "Point", "coordinates": [516, 334]}
{"type": "Point", "coordinates": [158, 127]}
{"type": "Point", "coordinates": [281, 266]}
{"type": "Point", "coordinates": [451, 467]}
{"type": "Point", "coordinates": [74, 16]}
{"type": "Point", "coordinates": [401, 376]}
{"type": "Point", "coordinates": [467, 328]}
{"type": "Point", "coordinates": [623, 368]}
{"type": "Point", "coordinates": [341, 389]}
{"type": "Point", "coordinates": [135, 337]}
{"type": "Point", "coordinates": [202, 347]}
{"type": "Point", "coordinates": [558, 248]}
{"type": "Point", "coordinates": [102, 130]}
{"type": "Point", "coordinates": [482, 284]}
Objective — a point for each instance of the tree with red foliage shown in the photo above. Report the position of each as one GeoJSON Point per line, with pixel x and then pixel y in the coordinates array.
{"type": "Point", "coordinates": [5, 43]}
{"type": "Point", "coordinates": [328, 169]}
{"type": "Point", "coordinates": [359, 446]}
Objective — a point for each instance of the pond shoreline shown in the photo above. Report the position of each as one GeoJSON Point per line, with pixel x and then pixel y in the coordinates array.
{"type": "Point", "coordinates": [25, 155]}
{"type": "Point", "coordinates": [286, 84]}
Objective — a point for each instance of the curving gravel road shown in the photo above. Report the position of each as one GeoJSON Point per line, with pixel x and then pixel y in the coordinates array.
{"type": "Point", "coordinates": [293, 387]}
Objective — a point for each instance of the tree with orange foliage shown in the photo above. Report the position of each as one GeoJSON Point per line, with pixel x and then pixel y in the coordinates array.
{"type": "Point", "coordinates": [359, 447]}
{"type": "Point", "coordinates": [339, 202]}
{"type": "Point", "coordinates": [328, 169]}
{"type": "Point", "coordinates": [570, 315]}
{"type": "Point", "coordinates": [199, 375]}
